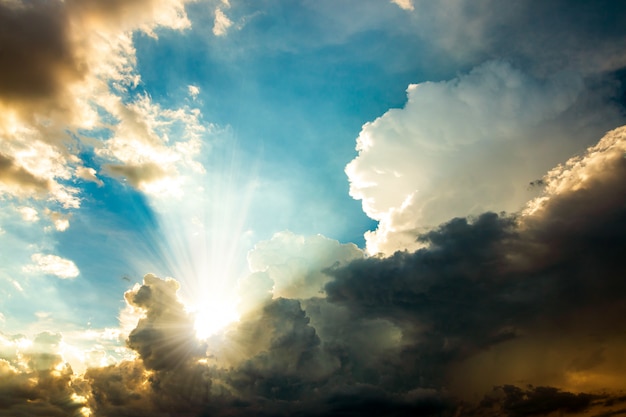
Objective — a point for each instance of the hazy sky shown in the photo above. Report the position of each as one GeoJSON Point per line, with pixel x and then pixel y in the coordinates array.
{"type": "Point", "coordinates": [348, 207]}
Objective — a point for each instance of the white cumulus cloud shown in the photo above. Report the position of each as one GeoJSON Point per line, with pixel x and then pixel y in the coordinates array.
{"type": "Point", "coordinates": [461, 147]}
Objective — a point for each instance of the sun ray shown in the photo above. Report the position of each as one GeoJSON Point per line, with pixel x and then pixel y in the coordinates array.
{"type": "Point", "coordinates": [202, 240]}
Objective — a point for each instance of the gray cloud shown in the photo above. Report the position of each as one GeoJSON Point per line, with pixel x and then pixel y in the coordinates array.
{"type": "Point", "coordinates": [168, 374]}
{"type": "Point", "coordinates": [37, 57]}
{"type": "Point", "coordinates": [36, 382]}
{"type": "Point", "coordinates": [542, 36]}
{"type": "Point", "coordinates": [165, 337]}
{"type": "Point", "coordinates": [137, 174]}
{"type": "Point", "coordinates": [14, 176]}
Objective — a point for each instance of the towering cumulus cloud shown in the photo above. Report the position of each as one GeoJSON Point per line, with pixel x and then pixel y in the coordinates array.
{"type": "Point", "coordinates": [462, 147]}
{"type": "Point", "coordinates": [496, 314]}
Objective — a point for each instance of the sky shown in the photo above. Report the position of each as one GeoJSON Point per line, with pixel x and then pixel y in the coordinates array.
{"type": "Point", "coordinates": [312, 208]}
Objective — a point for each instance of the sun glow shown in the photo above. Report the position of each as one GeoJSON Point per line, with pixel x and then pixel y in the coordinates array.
{"type": "Point", "coordinates": [202, 240]}
{"type": "Point", "coordinates": [212, 317]}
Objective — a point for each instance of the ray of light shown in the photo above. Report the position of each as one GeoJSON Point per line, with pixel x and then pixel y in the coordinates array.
{"type": "Point", "coordinates": [203, 239]}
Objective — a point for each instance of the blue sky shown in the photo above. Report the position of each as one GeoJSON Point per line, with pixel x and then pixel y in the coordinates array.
{"type": "Point", "coordinates": [256, 156]}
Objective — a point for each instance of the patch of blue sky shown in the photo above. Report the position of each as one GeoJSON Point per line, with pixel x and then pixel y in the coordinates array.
{"type": "Point", "coordinates": [25, 292]}
{"type": "Point", "coordinates": [111, 241]}
{"type": "Point", "coordinates": [301, 108]}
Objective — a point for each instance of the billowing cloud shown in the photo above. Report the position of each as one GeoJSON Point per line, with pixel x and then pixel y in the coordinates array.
{"type": "Point", "coordinates": [295, 264]}
{"type": "Point", "coordinates": [34, 379]}
{"type": "Point", "coordinates": [462, 147]}
{"type": "Point", "coordinates": [167, 374]}
{"type": "Point", "coordinates": [52, 265]}
{"type": "Point", "coordinates": [528, 302]}
{"type": "Point", "coordinates": [165, 337]}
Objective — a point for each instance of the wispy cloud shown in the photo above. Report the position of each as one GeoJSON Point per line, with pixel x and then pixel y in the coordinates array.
{"type": "Point", "coordinates": [221, 23]}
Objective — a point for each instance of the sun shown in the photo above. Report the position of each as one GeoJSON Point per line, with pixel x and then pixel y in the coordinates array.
{"type": "Point", "coordinates": [212, 317]}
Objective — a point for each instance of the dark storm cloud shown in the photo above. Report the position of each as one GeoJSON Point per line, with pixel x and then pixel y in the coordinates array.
{"type": "Point", "coordinates": [513, 401]}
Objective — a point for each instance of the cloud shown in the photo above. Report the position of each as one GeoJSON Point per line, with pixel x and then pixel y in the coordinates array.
{"type": "Point", "coordinates": [462, 147]}
{"type": "Point", "coordinates": [526, 286]}
{"type": "Point", "coordinates": [60, 221]}
{"type": "Point", "coordinates": [513, 401]}
{"type": "Point", "coordinates": [138, 175]}
{"type": "Point", "coordinates": [28, 214]}
{"type": "Point", "coordinates": [35, 381]}
{"type": "Point", "coordinates": [165, 337]}
{"type": "Point", "coordinates": [150, 146]}
{"type": "Point", "coordinates": [404, 4]}
{"type": "Point", "coordinates": [167, 374]}
{"type": "Point", "coordinates": [38, 58]}
{"type": "Point", "coordinates": [221, 23]}
{"type": "Point", "coordinates": [88, 174]}
{"type": "Point", "coordinates": [52, 265]}
{"type": "Point", "coordinates": [193, 91]}
{"type": "Point", "coordinates": [55, 88]}
{"type": "Point", "coordinates": [17, 180]}
{"type": "Point", "coordinates": [495, 300]}
{"type": "Point", "coordinates": [295, 264]}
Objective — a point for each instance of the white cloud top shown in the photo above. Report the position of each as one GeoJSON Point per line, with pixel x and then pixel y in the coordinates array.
{"type": "Point", "coordinates": [459, 148]}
